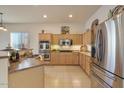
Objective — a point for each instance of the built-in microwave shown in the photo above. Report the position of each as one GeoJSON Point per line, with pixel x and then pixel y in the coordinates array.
{"type": "Point", "coordinates": [65, 42]}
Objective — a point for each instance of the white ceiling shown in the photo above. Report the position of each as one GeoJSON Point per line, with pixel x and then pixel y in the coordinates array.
{"type": "Point", "coordinates": [55, 13]}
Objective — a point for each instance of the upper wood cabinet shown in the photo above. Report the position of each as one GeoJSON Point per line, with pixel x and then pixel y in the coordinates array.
{"type": "Point", "coordinates": [86, 38]}
{"type": "Point", "coordinates": [75, 37]}
{"type": "Point", "coordinates": [55, 38]}
{"type": "Point", "coordinates": [45, 37]}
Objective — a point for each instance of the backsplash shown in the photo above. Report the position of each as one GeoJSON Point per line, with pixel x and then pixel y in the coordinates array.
{"type": "Point", "coordinates": [58, 47]}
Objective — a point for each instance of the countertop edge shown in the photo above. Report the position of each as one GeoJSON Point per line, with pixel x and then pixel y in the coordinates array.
{"type": "Point", "coordinates": [86, 53]}
{"type": "Point", "coordinates": [42, 63]}
{"type": "Point", "coordinates": [3, 57]}
{"type": "Point", "coordinates": [16, 70]}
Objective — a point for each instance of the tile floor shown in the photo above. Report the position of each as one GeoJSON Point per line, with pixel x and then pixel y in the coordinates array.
{"type": "Point", "coordinates": [65, 77]}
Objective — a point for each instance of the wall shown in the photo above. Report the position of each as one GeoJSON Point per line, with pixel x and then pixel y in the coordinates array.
{"type": "Point", "coordinates": [34, 29]}
{"type": "Point", "coordinates": [100, 14]}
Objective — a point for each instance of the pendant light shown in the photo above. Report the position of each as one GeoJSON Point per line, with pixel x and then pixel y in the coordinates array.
{"type": "Point", "coordinates": [2, 27]}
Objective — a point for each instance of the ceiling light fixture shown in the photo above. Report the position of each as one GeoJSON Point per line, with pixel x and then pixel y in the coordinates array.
{"type": "Point", "coordinates": [44, 16]}
{"type": "Point", "coordinates": [2, 27]}
{"type": "Point", "coordinates": [70, 16]}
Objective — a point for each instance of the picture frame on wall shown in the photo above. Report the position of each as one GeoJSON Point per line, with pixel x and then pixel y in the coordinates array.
{"type": "Point", "coordinates": [65, 30]}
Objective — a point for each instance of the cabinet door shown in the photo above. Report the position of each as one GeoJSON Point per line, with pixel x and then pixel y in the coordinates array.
{"type": "Point", "coordinates": [62, 58]}
{"type": "Point", "coordinates": [75, 58]}
{"type": "Point", "coordinates": [45, 37]}
{"type": "Point", "coordinates": [29, 78]}
{"type": "Point", "coordinates": [76, 39]}
{"type": "Point", "coordinates": [81, 38]}
{"type": "Point", "coordinates": [66, 36]}
{"type": "Point", "coordinates": [69, 58]}
{"type": "Point", "coordinates": [84, 39]}
{"type": "Point", "coordinates": [88, 61]}
{"type": "Point", "coordinates": [55, 38]}
{"type": "Point", "coordinates": [89, 37]}
{"type": "Point", "coordinates": [83, 61]}
{"type": "Point", "coordinates": [54, 58]}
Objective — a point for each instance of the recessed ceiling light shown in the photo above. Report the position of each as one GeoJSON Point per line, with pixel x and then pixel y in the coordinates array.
{"type": "Point", "coordinates": [70, 15]}
{"type": "Point", "coordinates": [44, 16]}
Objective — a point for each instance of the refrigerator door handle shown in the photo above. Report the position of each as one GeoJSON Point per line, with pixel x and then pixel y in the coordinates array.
{"type": "Point", "coordinates": [97, 45]}
{"type": "Point", "coordinates": [101, 45]}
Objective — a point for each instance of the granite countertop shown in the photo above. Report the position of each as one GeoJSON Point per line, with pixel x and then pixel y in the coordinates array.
{"type": "Point", "coordinates": [28, 63]}
{"type": "Point", "coordinates": [86, 53]}
{"type": "Point", "coordinates": [1, 57]}
{"type": "Point", "coordinates": [64, 50]}
{"type": "Point", "coordinates": [25, 64]}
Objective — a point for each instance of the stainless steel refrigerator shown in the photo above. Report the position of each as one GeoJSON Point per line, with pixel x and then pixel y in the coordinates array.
{"type": "Point", "coordinates": [107, 69]}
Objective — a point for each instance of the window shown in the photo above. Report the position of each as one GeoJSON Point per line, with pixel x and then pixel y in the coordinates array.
{"type": "Point", "coordinates": [19, 40]}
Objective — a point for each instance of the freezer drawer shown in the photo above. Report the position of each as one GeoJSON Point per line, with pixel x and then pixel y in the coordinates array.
{"type": "Point", "coordinates": [105, 77]}
{"type": "Point", "coordinates": [97, 82]}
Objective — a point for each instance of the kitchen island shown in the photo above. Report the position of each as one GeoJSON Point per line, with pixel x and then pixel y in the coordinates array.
{"type": "Point", "coordinates": [28, 73]}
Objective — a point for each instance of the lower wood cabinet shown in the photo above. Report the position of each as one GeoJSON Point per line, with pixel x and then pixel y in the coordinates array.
{"type": "Point", "coordinates": [85, 62]}
{"type": "Point", "coordinates": [75, 58]}
{"type": "Point", "coordinates": [28, 78]}
{"type": "Point", "coordinates": [82, 61]}
{"type": "Point", "coordinates": [55, 58]}
{"type": "Point", "coordinates": [69, 58]}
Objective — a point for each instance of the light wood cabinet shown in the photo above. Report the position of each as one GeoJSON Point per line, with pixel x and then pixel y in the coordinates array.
{"type": "Point", "coordinates": [45, 37]}
{"type": "Point", "coordinates": [86, 38]}
{"type": "Point", "coordinates": [72, 58]}
{"type": "Point", "coordinates": [82, 39]}
{"type": "Point", "coordinates": [64, 58]}
{"type": "Point", "coordinates": [76, 38]}
{"type": "Point", "coordinates": [29, 78]}
{"type": "Point", "coordinates": [75, 58]}
{"type": "Point", "coordinates": [82, 61]}
{"type": "Point", "coordinates": [55, 39]}
{"type": "Point", "coordinates": [85, 62]}
{"type": "Point", "coordinates": [88, 62]}
{"type": "Point", "coordinates": [54, 58]}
